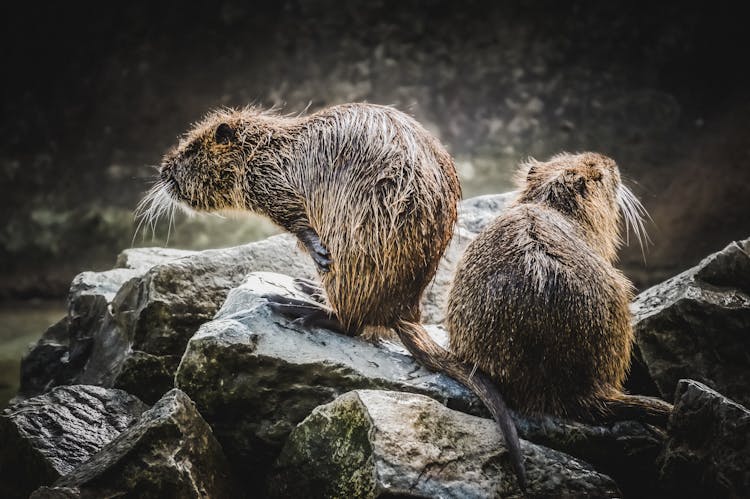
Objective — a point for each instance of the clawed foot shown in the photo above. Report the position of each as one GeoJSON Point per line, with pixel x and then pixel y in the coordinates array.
{"type": "Point", "coordinates": [311, 289]}
{"type": "Point", "coordinates": [303, 312]}
{"type": "Point", "coordinates": [321, 257]}
{"type": "Point", "coordinates": [317, 250]}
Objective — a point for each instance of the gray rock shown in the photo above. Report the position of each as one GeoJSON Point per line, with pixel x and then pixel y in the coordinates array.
{"type": "Point", "coordinates": [624, 450]}
{"type": "Point", "coordinates": [708, 451]}
{"type": "Point", "coordinates": [155, 315]}
{"type": "Point", "coordinates": [45, 437]}
{"type": "Point", "coordinates": [61, 355]}
{"type": "Point", "coordinates": [128, 327]}
{"type": "Point", "coordinates": [170, 452]}
{"type": "Point", "coordinates": [697, 325]}
{"type": "Point", "coordinates": [254, 375]}
{"type": "Point", "coordinates": [474, 214]}
{"type": "Point", "coordinates": [142, 259]}
{"type": "Point", "coordinates": [370, 443]}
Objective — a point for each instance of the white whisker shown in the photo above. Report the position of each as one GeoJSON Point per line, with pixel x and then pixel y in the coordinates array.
{"type": "Point", "coordinates": [156, 203]}
{"type": "Point", "coordinates": [170, 221]}
{"type": "Point", "coordinates": [634, 215]}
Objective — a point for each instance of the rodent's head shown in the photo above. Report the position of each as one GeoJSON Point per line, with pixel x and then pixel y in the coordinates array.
{"type": "Point", "coordinates": [587, 188]}
{"type": "Point", "coordinates": [212, 168]}
{"type": "Point", "coordinates": [206, 170]}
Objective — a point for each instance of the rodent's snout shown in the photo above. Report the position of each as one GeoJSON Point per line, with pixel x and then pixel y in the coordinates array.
{"type": "Point", "coordinates": [168, 176]}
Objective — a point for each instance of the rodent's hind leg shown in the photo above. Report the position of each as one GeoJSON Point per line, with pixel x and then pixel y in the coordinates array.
{"type": "Point", "coordinates": [316, 249]}
{"type": "Point", "coordinates": [311, 289]}
{"type": "Point", "coordinates": [306, 313]}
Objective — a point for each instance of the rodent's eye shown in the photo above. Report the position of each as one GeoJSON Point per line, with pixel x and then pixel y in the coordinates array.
{"type": "Point", "coordinates": [224, 134]}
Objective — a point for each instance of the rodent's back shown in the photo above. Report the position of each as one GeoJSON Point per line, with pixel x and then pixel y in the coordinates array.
{"type": "Point", "coordinates": [382, 194]}
{"type": "Point", "coordinates": [541, 312]}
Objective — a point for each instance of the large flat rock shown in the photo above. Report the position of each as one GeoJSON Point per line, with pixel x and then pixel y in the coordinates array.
{"type": "Point", "coordinates": [370, 443]}
{"type": "Point", "coordinates": [254, 376]}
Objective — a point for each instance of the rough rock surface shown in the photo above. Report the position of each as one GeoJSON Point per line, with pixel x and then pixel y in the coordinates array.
{"type": "Point", "coordinates": [708, 452]}
{"type": "Point", "coordinates": [170, 452]}
{"type": "Point", "coordinates": [157, 314]}
{"type": "Point", "coordinates": [255, 375]}
{"type": "Point", "coordinates": [697, 325]}
{"type": "Point", "coordinates": [61, 355]}
{"type": "Point", "coordinates": [625, 450]}
{"type": "Point", "coordinates": [253, 367]}
{"type": "Point", "coordinates": [370, 443]}
{"type": "Point", "coordinates": [129, 327]}
{"type": "Point", "coordinates": [45, 437]}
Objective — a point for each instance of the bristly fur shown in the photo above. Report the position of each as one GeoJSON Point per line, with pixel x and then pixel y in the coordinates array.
{"type": "Point", "coordinates": [370, 182]}
{"type": "Point", "coordinates": [536, 301]}
{"type": "Point", "coordinates": [376, 187]}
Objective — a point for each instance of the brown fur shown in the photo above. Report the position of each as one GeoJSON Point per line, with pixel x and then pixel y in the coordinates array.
{"type": "Point", "coordinates": [537, 303]}
{"type": "Point", "coordinates": [378, 189]}
{"type": "Point", "coordinates": [372, 184]}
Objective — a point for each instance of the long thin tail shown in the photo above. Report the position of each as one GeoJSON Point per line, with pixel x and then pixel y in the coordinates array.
{"type": "Point", "coordinates": [432, 356]}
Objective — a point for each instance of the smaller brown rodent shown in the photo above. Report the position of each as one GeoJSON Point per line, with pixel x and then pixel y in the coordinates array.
{"type": "Point", "coordinates": [537, 303]}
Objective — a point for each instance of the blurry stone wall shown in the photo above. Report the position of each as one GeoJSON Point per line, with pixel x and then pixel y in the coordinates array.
{"type": "Point", "coordinates": [93, 97]}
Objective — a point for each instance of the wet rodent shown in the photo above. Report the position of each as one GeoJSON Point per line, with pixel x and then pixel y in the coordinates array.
{"type": "Point", "coordinates": [537, 303]}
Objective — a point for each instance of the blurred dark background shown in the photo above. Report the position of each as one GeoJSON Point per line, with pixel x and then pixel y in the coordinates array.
{"type": "Point", "coordinates": [93, 96]}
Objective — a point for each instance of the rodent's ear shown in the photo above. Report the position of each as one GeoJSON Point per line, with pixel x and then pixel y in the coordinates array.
{"type": "Point", "coordinates": [224, 134]}
{"type": "Point", "coordinates": [595, 173]}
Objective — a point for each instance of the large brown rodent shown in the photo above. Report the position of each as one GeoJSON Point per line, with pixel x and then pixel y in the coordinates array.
{"type": "Point", "coordinates": [537, 303]}
{"type": "Point", "coordinates": [368, 192]}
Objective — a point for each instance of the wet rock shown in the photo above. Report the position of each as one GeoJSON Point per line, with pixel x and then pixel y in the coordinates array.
{"type": "Point", "coordinates": [708, 452]}
{"type": "Point", "coordinates": [474, 214]}
{"type": "Point", "coordinates": [142, 259]}
{"type": "Point", "coordinates": [128, 327]}
{"type": "Point", "coordinates": [156, 314]}
{"type": "Point", "coordinates": [45, 437]}
{"type": "Point", "coordinates": [61, 355]}
{"type": "Point", "coordinates": [255, 375]}
{"type": "Point", "coordinates": [371, 443]}
{"type": "Point", "coordinates": [627, 451]}
{"type": "Point", "coordinates": [170, 452]}
{"type": "Point", "coordinates": [696, 325]}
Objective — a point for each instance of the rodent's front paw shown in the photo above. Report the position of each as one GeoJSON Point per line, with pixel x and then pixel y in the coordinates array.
{"type": "Point", "coordinates": [316, 249]}
{"type": "Point", "coordinates": [322, 259]}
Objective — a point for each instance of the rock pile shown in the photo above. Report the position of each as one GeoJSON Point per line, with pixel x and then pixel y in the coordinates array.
{"type": "Point", "coordinates": [248, 403]}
